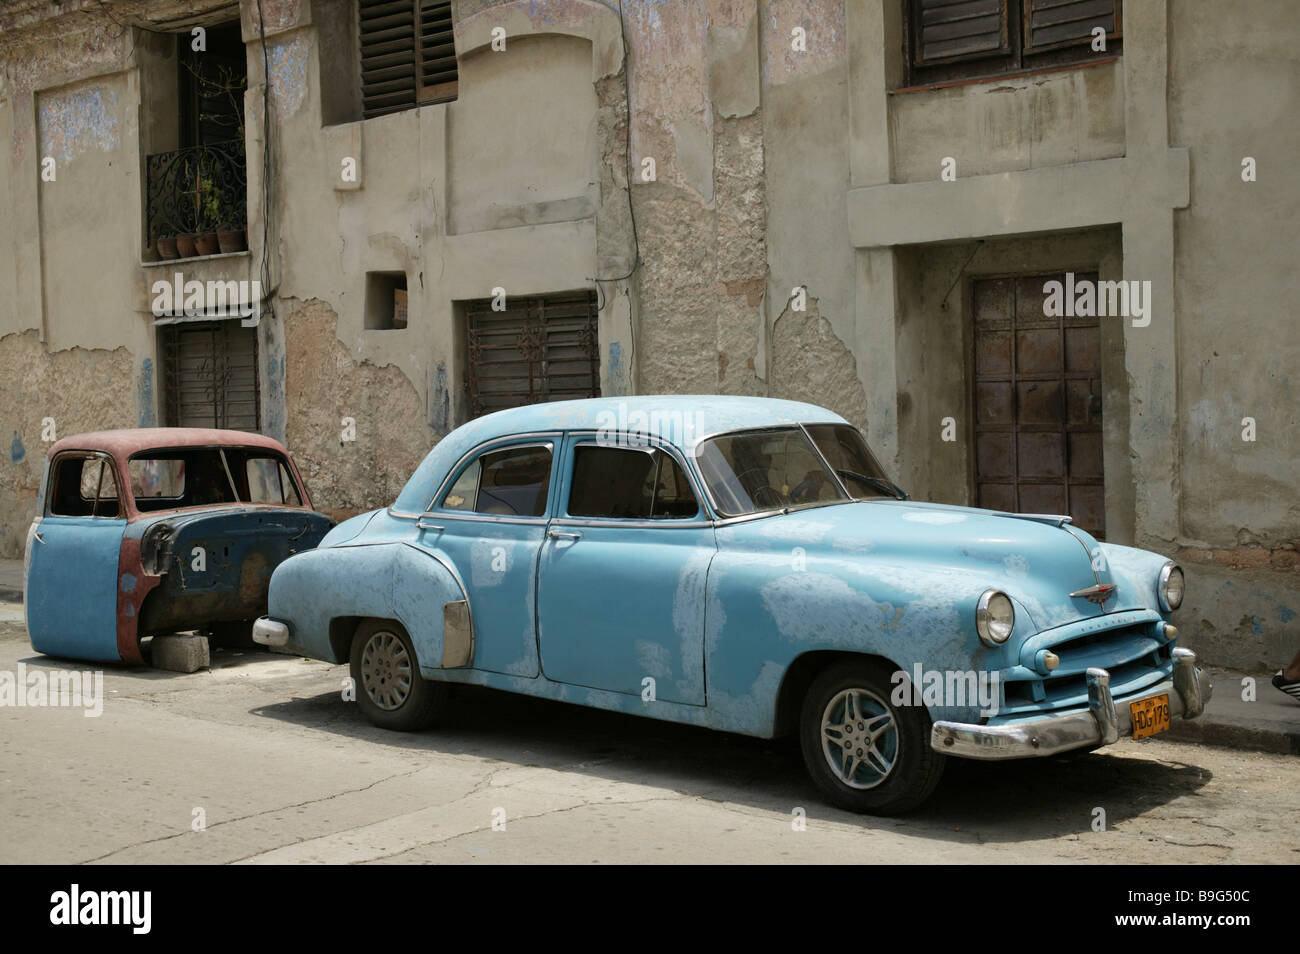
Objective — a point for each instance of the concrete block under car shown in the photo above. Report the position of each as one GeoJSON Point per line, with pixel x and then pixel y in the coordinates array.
{"type": "Point", "coordinates": [181, 652]}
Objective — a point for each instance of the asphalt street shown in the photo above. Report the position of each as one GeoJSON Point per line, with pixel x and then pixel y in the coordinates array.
{"type": "Point", "coordinates": [260, 760]}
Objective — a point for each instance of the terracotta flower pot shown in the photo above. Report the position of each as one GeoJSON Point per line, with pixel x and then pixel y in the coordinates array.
{"type": "Point", "coordinates": [232, 240]}
{"type": "Point", "coordinates": [166, 246]}
{"type": "Point", "coordinates": [205, 243]}
{"type": "Point", "coordinates": [185, 246]}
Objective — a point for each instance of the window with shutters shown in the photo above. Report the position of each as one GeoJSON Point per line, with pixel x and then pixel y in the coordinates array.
{"type": "Point", "coordinates": [965, 39]}
{"type": "Point", "coordinates": [210, 375]}
{"type": "Point", "coordinates": [408, 54]}
{"type": "Point", "coordinates": [537, 349]}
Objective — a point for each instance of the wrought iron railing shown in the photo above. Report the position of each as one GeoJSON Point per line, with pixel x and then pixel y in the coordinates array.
{"type": "Point", "coordinates": [196, 190]}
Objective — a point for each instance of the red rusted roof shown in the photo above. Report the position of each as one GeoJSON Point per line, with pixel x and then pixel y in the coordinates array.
{"type": "Point", "coordinates": [127, 441]}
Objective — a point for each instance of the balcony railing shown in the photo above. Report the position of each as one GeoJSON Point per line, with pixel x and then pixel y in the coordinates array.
{"type": "Point", "coordinates": [197, 191]}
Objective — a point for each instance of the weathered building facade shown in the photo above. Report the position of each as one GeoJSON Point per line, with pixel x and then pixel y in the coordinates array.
{"type": "Point", "coordinates": [854, 202]}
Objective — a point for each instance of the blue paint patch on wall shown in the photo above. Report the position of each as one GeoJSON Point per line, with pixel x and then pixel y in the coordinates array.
{"type": "Point", "coordinates": [16, 450]}
{"type": "Point", "coordinates": [275, 410]}
{"type": "Point", "coordinates": [617, 387]}
{"type": "Point", "coordinates": [77, 122]}
{"type": "Point", "coordinates": [288, 62]}
{"type": "Point", "coordinates": [440, 402]}
{"type": "Point", "coordinates": [1285, 614]}
{"type": "Point", "coordinates": [144, 394]}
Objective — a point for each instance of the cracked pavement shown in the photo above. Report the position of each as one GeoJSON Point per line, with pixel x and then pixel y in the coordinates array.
{"type": "Point", "coordinates": [281, 770]}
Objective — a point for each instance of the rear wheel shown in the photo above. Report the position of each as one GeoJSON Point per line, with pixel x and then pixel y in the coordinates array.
{"type": "Point", "coordinates": [390, 690]}
{"type": "Point", "coordinates": [866, 753]}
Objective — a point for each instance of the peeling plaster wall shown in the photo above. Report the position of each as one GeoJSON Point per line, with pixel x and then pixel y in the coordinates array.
{"type": "Point", "coordinates": [81, 389]}
{"type": "Point", "coordinates": [323, 385]}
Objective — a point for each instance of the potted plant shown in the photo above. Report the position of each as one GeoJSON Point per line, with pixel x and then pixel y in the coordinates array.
{"type": "Point", "coordinates": [166, 247]}
{"type": "Point", "coordinates": [209, 209]}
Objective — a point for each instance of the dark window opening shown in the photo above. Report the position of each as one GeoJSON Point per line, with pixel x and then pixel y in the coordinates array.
{"type": "Point", "coordinates": [537, 349]}
{"type": "Point", "coordinates": [512, 482]}
{"type": "Point", "coordinates": [408, 54]}
{"type": "Point", "coordinates": [629, 484]}
{"type": "Point", "coordinates": [210, 378]}
{"type": "Point", "coordinates": [966, 39]}
{"type": "Point", "coordinates": [197, 195]}
{"type": "Point", "coordinates": [84, 485]}
{"type": "Point", "coordinates": [385, 301]}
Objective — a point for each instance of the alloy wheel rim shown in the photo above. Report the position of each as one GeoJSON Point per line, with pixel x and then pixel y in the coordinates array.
{"type": "Point", "coordinates": [860, 738]}
{"type": "Point", "coordinates": [386, 671]}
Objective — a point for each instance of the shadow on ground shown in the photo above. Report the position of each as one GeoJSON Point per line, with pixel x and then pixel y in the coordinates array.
{"type": "Point", "coordinates": [1007, 802]}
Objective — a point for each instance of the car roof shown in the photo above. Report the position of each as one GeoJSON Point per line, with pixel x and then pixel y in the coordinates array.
{"type": "Point", "coordinates": [681, 420]}
{"type": "Point", "coordinates": [124, 442]}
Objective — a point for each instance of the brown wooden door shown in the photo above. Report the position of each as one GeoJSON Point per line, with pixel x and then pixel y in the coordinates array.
{"type": "Point", "coordinates": [1037, 404]}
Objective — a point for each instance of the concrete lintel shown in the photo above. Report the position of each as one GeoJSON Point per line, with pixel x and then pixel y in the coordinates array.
{"type": "Point", "coordinates": [1075, 196]}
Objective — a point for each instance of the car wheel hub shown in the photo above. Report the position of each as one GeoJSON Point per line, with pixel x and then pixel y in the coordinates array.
{"type": "Point", "coordinates": [386, 671]}
{"type": "Point", "coordinates": [859, 738]}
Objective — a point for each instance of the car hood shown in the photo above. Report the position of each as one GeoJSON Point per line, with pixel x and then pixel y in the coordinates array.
{"type": "Point", "coordinates": [1038, 560]}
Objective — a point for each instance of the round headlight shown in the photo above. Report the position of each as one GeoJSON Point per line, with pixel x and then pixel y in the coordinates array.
{"type": "Point", "coordinates": [994, 618]}
{"type": "Point", "coordinates": [1171, 587]}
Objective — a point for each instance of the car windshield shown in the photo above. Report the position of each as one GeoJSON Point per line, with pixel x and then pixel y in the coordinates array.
{"type": "Point", "coordinates": [849, 456]}
{"type": "Point", "coordinates": [781, 469]}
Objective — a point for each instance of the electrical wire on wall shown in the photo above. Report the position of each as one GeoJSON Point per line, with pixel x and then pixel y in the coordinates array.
{"type": "Point", "coordinates": [631, 210]}
{"type": "Point", "coordinates": [265, 270]}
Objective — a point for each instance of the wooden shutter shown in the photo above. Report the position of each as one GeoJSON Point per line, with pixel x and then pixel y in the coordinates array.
{"type": "Point", "coordinates": [387, 32]}
{"type": "Point", "coordinates": [438, 78]}
{"type": "Point", "coordinates": [945, 30]}
{"type": "Point", "coordinates": [1053, 23]}
{"type": "Point", "coordinates": [538, 349]}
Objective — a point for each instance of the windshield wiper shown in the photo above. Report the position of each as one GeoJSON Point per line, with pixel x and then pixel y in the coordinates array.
{"type": "Point", "coordinates": [880, 483]}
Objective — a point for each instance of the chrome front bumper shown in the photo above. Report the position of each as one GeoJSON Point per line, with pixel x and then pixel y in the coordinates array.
{"type": "Point", "coordinates": [1101, 724]}
{"type": "Point", "coordinates": [270, 632]}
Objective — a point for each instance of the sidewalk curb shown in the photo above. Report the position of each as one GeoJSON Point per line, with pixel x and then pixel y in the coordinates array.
{"type": "Point", "coordinates": [1229, 736]}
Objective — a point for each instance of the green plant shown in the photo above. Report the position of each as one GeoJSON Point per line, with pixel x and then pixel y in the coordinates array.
{"type": "Point", "coordinates": [212, 207]}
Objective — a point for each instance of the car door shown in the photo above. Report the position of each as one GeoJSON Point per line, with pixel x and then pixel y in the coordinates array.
{"type": "Point", "coordinates": [71, 598]}
{"type": "Point", "coordinates": [490, 521]}
{"type": "Point", "coordinates": [621, 579]}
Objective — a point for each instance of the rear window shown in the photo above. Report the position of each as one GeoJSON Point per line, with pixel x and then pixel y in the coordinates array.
{"type": "Point", "coordinates": [204, 476]}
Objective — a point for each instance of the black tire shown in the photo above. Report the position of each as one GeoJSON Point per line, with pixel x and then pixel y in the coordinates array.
{"type": "Point", "coordinates": [390, 690]}
{"type": "Point", "coordinates": [912, 773]}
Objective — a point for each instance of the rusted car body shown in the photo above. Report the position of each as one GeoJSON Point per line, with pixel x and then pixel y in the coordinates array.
{"type": "Point", "coordinates": [150, 531]}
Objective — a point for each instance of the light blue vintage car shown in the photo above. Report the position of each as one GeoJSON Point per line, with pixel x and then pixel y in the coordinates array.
{"type": "Point", "coordinates": [742, 564]}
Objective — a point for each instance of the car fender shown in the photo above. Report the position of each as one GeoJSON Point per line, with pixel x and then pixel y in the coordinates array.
{"type": "Point", "coordinates": [415, 585]}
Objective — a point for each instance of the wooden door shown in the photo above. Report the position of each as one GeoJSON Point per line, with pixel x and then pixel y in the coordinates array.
{"type": "Point", "coordinates": [1037, 403]}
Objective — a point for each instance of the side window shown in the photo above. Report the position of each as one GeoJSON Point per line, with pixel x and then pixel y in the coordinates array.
{"type": "Point", "coordinates": [511, 482]}
{"type": "Point", "coordinates": [629, 484]}
{"type": "Point", "coordinates": [84, 485]}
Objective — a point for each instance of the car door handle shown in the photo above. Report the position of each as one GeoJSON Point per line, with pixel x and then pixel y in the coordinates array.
{"type": "Point", "coordinates": [37, 536]}
{"type": "Point", "coordinates": [563, 535]}
{"type": "Point", "coordinates": [421, 525]}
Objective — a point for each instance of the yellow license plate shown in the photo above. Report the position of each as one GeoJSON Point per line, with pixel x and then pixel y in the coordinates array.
{"type": "Point", "coordinates": [1150, 716]}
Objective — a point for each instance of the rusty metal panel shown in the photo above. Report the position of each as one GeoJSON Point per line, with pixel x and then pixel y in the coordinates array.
{"type": "Point", "coordinates": [210, 375]}
{"type": "Point", "coordinates": [538, 349]}
{"type": "Point", "coordinates": [1037, 404]}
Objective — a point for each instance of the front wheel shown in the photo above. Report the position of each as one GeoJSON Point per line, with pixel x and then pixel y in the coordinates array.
{"type": "Point", "coordinates": [386, 673]}
{"type": "Point", "coordinates": [866, 753]}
